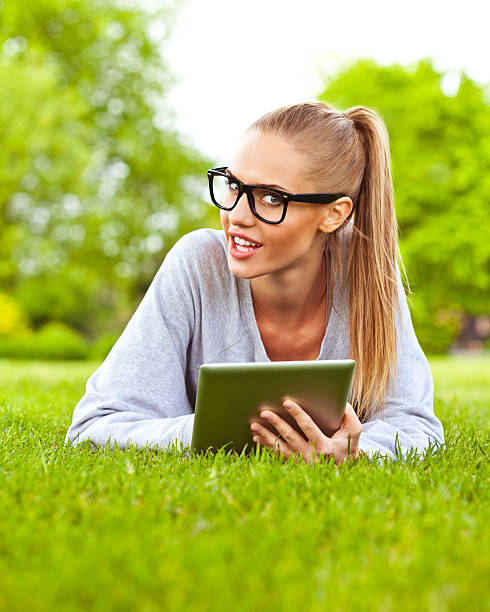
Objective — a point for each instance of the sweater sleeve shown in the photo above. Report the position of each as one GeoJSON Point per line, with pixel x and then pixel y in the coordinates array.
{"type": "Point", "coordinates": [409, 420]}
{"type": "Point", "coordinates": [138, 394]}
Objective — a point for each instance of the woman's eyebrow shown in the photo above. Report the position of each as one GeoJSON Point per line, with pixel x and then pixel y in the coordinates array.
{"type": "Point", "coordinates": [261, 185]}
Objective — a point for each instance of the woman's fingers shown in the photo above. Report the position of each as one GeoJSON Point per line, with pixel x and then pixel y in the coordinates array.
{"type": "Point", "coordinates": [347, 437]}
{"type": "Point", "coordinates": [293, 439]}
{"type": "Point", "coordinates": [307, 424]}
{"type": "Point", "coordinates": [350, 424]}
{"type": "Point", "coordinates": [344, 442]}
{"type": "Point", "coordinates": [267, 438]}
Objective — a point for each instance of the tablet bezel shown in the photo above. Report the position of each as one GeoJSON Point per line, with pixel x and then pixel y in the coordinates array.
{"type": "Point", "coordinates": [321, 387]}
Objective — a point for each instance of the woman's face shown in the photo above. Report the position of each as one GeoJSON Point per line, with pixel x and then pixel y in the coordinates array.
{"type": "Point", "coordinates": [269, 160]}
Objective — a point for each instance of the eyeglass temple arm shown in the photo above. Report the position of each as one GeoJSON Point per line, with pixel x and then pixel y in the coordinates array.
{"type": "Point", "coordinates": [316, 198]}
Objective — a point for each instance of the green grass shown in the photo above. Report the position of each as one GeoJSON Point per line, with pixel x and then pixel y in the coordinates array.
{"type": "Point", "coordinates": [132, 530]}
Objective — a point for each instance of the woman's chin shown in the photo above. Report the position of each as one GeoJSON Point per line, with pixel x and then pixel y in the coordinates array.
{"type": "Point", "coordinates": [241, 271]}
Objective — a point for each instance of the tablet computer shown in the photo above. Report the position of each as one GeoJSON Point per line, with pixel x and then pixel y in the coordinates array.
{"type": "Point", "coordinates": [230, 397]}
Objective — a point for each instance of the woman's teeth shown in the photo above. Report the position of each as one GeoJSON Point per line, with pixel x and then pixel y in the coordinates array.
{"type": "Point", "coordinates": [241, 241]}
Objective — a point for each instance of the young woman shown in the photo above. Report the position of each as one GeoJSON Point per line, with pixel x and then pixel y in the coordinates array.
{"type": "Point", "coordinates": [305, 268]}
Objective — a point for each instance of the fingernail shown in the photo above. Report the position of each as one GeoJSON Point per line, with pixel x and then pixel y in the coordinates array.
{"type": "Point", "coordinates": [265, 415]}
{"type": "Point", "coordinates": [254, 427]}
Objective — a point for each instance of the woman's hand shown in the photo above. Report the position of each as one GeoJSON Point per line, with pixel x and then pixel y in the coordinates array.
{"type": "Point", "coordinates": [343, 443]}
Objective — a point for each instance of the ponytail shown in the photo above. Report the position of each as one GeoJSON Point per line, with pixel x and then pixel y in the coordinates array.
{"type": "Point", "coordinates": [371, 269]}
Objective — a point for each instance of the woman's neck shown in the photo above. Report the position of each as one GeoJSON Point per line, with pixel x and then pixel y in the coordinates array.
{"type": "Point", "coordinates": [292, 298]}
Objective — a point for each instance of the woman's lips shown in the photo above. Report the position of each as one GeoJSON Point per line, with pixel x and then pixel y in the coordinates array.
{"type": "Point", "coordinates": [241, 254]}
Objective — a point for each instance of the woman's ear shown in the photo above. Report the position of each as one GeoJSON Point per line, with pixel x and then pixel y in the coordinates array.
{"type": "Point", "coordinates": [335, 214]}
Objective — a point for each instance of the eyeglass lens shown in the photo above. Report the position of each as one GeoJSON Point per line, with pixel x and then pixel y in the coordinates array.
{"type": "Point", "coordinates": [268, 205]}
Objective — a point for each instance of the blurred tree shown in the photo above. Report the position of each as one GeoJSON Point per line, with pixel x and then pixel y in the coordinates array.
{"type": "Point", "coordinates": [440, 142]}
{"type": "Point", "coordinates": [95, 183]}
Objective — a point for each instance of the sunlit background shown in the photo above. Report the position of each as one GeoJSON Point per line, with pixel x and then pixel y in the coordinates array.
{"type": "Point", "coordinates": [111, 113]}
{"type": "Point", "coordinates": [250, 58]}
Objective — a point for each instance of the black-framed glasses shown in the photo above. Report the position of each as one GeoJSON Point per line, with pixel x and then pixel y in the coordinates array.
{"type": "Point", "coordinates": [267, 204]}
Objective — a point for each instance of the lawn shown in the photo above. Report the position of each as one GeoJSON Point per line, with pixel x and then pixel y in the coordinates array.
{"type": "Point", "coordinates": [132, 530]}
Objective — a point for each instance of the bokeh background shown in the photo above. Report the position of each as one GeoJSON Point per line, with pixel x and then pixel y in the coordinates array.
{"type": "Point", "coordinates": [111, 113]}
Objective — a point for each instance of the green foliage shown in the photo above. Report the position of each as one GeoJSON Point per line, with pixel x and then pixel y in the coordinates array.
{"type": "Point", "coordinates": [441, 170]}
{"type": "Point", "coordinates": [95, 183]}
{"type": "Point", "coordinates": [13, 321]}
{"type": "Point", "coordinates": [102, 346]}
{"type": "Point", "coordinates": [147, 530]}
{"type": "Point", "coordinates": [54, 340]}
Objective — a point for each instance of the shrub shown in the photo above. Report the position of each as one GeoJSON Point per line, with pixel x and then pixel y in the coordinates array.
{"type": "Point", "coordinates": [54, 340]}
{"type": "Point", "coordinates": [436, 329]}
{"type": "Point", "coordinates": [13, 321]}
{"type": "Point", "coordinates": [102, 346]}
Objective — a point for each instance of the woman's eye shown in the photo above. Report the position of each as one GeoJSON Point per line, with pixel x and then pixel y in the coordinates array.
{"type": "Point", "coordinates": [274, 199]}
{"type": "Point", "coordinates": [230, 184]}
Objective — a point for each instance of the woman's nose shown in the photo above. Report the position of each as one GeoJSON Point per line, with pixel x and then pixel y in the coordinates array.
{"type": "Point", "coordinates": [241, 212]}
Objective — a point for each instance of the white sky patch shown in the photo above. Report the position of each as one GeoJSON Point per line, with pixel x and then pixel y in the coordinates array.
{"type": "Point", "coordinates": [237, 60]}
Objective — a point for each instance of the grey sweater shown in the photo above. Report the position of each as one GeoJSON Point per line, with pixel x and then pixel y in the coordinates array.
{"type": "Point", "coordinates": [196, 311]}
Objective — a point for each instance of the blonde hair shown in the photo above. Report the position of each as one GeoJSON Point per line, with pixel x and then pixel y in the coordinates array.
{"type": "Point", "coordinates": [348, 152]}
